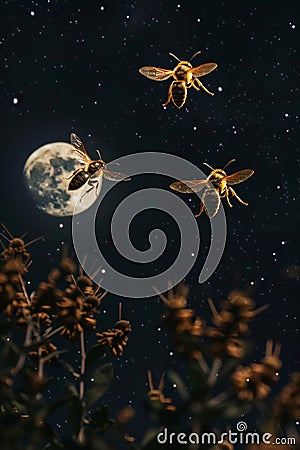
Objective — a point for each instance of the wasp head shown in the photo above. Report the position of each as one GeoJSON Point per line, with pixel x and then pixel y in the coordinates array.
{"type": "Point", "coordinates": [216, 175]}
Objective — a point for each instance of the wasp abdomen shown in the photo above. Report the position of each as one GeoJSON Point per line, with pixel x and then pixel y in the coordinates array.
{"type": "Point", "coordinates": [179, 92]}
{"type": "Point", "coordinates": [78, 180]}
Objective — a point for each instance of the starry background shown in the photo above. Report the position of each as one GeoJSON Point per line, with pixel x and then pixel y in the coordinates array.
{"type": "Point", "coordinates": [72, 66]}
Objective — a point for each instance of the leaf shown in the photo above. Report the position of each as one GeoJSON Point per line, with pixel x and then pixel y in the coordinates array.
{"type": "Point", "coordinates": [53, 446]}
{"type": "Point", "coordinates": [9, 355]}
{"type": "Point", "coordinates": [57, 404]}
{"type": "Point", "coordinates": [180, 386]}
{"type": "Point", "coordinates": [103, 377]}
{"type": "Point", "coordinates": [5, 328]}
{"type": "Point", "coordinates": [96, 352]}
{"type": "Point", "coordinates": [198, 382]}
{"type": "Point", "coordinates": [150, 439]}
{"type": "Point", "coordinates": [68, 367]}
{"type": "Point", "coordinates": [100, 421]}
{"type": "Point", "coordinates": [233, 409]}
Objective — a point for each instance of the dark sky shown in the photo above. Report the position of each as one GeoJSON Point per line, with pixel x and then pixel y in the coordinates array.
{"type": "Point", "coordinates": [71, 66]}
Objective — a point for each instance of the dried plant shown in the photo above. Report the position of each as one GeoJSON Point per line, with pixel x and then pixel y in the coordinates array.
{"type": "Point", "coordinates": [38, 330]}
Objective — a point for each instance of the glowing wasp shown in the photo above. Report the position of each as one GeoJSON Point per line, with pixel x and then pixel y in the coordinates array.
{"type": "Point", "coordinates": [217, 185]}
{"type": "Point", "coordinates": [185, 76]}
{"type": "Point", "coordinates": [91, 168]}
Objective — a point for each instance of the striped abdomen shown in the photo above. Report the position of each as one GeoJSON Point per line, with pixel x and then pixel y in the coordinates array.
{"type": "Point", "coordinates": [179, 92]}
{"type": "Point", "coordinates": [79, 179]}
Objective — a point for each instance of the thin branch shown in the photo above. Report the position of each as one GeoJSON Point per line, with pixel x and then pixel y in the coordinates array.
{"type": "Point", "coordinates": [82, 371]}
{"type": "Point", "coordinates": [216, 366]}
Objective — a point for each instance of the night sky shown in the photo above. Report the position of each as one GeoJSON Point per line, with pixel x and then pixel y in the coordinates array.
{"type": "Point", "coordinates": [71, 66]}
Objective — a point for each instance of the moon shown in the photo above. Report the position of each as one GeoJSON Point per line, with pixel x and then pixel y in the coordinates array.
{"type": "Point", "coordinates": [46, 170]}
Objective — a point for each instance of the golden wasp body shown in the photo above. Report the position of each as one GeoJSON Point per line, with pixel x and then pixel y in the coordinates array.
{"type": "Point", "coordinates": [185, 76]}
{"type": "Point", "coordinates": [91, 168]}
{"type": "Point", "coordinates": [221, 187]}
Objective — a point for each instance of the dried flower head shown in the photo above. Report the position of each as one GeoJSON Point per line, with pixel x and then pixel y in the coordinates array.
{"type": "Point", "coordinates": [177, 300]}
{"type": "Point", "coordinates": [287, 404]}
{"type": "Point", "coordinates": [43, 351]}
{"type": "Point", "coordinates": [71, 314]}
{"type": "Point", "coordinates": [18, 309]}
{"type": "Point", "coordinates": [254, 382]}
{"type": "Point", "coordinates": [116, 339]}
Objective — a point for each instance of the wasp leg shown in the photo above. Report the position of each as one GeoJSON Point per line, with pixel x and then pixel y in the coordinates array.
{"type": "Point", "coordinates": [193, 84]}
{"type": "Point", "coordinates": [93, 186]}
{"type": "Point", "coordinates": [200, 85]}
{"type": "Point", "coordinates": [169, 96]}
{"type": "Point", "coordinates": [228, 201]}
{"type": "Point", "coordinates": [234, 194]}
{"type": "Point", "coordinates": [201, 210]}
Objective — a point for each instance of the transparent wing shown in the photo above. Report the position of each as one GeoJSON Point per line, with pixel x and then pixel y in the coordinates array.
{"type": "Point", "coordinates": [155, 73]}
{"type": "Point", "coordinates": [115, 176]}
{"type": "Point", "coordinates": [238, 177]}
{"type": "Point", "coordinates": [211, 201]}
{"type": "Point", "coordinates": [202, 70]}
{"type": "Point", "coordinates": [79, 148]}
{"type": "Point", "coordinates": [188, 186]}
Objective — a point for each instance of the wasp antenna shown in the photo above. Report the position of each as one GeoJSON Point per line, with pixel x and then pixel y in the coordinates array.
{"type": "Point", "coordinates": [195, 54]}
{"type": "Point", "coordinates": [33, 241]}
{"type": "Point", "coordinates": [208, 166]}
{"type": "Point", "coordinates": [7, 230]}
{"type": "Point", "coordinates": [174, 56]}
{"type": "Point", "coordinates": [229, 162]}
{"type": "Point", "coordinates": [99, 154]}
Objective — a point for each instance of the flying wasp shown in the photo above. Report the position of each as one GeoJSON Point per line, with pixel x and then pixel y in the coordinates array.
{"type": "Point", "coordinates": [217, 185]}
{"type": "Point", "coordinates": [185, 76]}
{"type": "Point", "coordinates": [91, 170]}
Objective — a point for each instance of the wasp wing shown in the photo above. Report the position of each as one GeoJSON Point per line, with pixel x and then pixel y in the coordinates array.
{"type": "Point", "coordinates": [188, 186]}
{"type": "Point", "coordinates": [155, 73]}
{"type": "Point", "coordinates": [238, 177]}
{"type": "Point", "coordinates": [202, 70]}
{"type": "Point", "coordinates": [114, 176]}
{"type": "Point", "coordinates": [79, 148]}
{"type": "Point", "coordinates": [211, 201]}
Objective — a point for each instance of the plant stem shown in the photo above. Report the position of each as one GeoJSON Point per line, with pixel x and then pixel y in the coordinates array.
{"type": "Point", "coordinates": [81, 436]}
{"type": "Point", "coordinates": [41, 364]}
{"type": "Point", "coordinates": [82, 371]}
{"type": "Point", "coordinates": [22, 357]}
{"type": "Point", "coordinates": [51, 333]}
{"type": "Point", "coordinates": [216, 366]}
{"type": "Point", "coordinates": [218, 399]}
